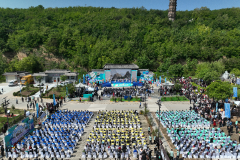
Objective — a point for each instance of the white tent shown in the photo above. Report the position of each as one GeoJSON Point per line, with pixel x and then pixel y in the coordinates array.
{"type": "Point", "coordinates": [167, 84]}
{"type": "Point", "coordinates": [80, 85]}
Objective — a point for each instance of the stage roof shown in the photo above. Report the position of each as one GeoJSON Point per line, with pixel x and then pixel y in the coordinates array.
{"type": "Point", "coordinates": [120, 66]}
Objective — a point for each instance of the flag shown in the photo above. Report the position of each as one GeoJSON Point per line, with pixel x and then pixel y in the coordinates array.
{"type": "Point", "coordinates": [216, 107]}
{"type": "Point", "coordinates": [160, 79]}
{"type": "Point", "coordinates": [37, 109]}
{"type": "Point", "coordinates": [83, 79]}
{"type": "Point", "coordinates": [165, 79]}
{"type": "Point", "coordinates": [227, 110]}
{"type": "Point", "coordinates": [234, 91]}
{"type": "Point", "coordinates": [54, 101]}
{"type": "Point", "coordinates": [79, 80]}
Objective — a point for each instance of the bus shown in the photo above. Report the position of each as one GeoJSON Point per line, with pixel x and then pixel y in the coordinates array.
{"type": "Point", "coordinates": [27, 79]}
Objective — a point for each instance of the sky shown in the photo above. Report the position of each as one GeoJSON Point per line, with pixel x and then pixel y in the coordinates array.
{"type": "Point", "coordinates": [182, 5]}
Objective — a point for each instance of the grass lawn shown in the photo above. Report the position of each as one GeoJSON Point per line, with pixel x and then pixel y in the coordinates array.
{"type": "Point", "coordinates": [174, 99]}
{"type": "Point", "coordinates": [25, 92]}
{"type": "Point", "coordinates": [11, 120]}
{"type": "Point", "coordinates": [56, 92]}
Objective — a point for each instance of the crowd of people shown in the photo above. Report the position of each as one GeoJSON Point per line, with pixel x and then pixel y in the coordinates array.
{"type": "Point", "coordinates": [186, 119]}
{"type": "Point", "coordinates": [116, 134]}
{"type": "Point", "coordinates": [121, 92]}
{"type": "Point", "coordinates": [57, 138]}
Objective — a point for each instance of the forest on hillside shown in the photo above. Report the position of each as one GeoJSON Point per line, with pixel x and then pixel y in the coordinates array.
{"type": "Point", "coordinates": [89, 37]}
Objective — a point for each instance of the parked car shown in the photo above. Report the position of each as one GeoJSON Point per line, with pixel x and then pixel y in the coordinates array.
{"type": "Point", "coordinates": [13, 83]}
{"type": "Point", "coordinates": [65, 83]}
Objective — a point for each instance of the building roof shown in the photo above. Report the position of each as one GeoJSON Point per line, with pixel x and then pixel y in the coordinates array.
{"type": "Point", "coordinates": [97, 70]}
{"type": "Point", "coordinates": [10, 73]}
{"type": "Point", "coordinates": [71, 74]}
{"type": "Point", "coordinates": [39, 74]}
{"type": "Point", "coordinates": [120, 66]}
{"type": "Point", "coordinates": [143, 69]}
{"type": "Point", "coordinates": [57, 71]}
{"type": "Point", "coordinates": [21, 73]}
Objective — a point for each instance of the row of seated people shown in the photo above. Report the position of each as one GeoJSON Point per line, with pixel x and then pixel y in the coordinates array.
{"type": "Point", "coordinates": [110, 139]}
{"type": "Point", "coordinates": [176, 119]}
{"type": "Point", "coordinates": [208, 142]}
{"type": "Point", "coordinates": [50, 142]}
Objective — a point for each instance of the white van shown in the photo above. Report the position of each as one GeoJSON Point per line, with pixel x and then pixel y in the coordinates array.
{"type": "Point", "coordinates": [13, 83]}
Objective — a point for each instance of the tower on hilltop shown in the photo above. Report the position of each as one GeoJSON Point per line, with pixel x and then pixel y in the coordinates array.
{"type": "Point", "coordinates": [172, 10]}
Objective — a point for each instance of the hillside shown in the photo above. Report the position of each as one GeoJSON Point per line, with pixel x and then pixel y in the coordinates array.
{"type": "Point", "coordinates": [88, 37]}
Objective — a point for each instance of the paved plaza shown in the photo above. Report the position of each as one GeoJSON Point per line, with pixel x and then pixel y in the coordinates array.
{"type": "Point", "coordinates": [96, 106]}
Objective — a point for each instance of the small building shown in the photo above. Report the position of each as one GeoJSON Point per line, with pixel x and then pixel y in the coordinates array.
{"type": "Point", "coordinates": [15, 75]}
{"type": "Point", "coordinates": [41, 74]}
{"type": "Point", "coordinates": [54, 76]}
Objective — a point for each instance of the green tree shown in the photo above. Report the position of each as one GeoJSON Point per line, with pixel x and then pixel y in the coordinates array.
{"type": "Point", "coordinates": [63, 78]}
{"type": "Point", "coordinates": [235, 71]}
{"type": "Point", "coordinates": [71, 89]}
{"type": "Point", "coordinates": [176, 70]}
{"type": "Point", "coordinates": [210, 71]}
{"type": "Point", "coordinates": [27, 86]}
{"type": "Point", "coordinates": [219, 90]}
{"type": "Point", "coordinates": [39, 79]}
{"type": "Point", "coordinates": [177, 86]}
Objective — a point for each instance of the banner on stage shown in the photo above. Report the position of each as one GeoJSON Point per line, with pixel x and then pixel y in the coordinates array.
{"type": "Point", "coordinates": [122, 85]}
{"type": "Point", "coordinates": [17, 132]}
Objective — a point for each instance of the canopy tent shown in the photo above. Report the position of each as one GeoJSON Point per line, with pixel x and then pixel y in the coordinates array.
{"type": "Point", "coordinates": [167, 84]}
{"type": "Point", "coordinates": [80, 85]}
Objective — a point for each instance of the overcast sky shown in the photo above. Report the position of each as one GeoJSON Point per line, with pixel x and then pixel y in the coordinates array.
{"type": "Point", "coordinates": [148, 4]}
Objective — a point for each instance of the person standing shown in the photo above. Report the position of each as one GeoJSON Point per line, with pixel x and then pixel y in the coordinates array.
{"type": "Point", "coordinates": [150, 139]}
{"type": "Point", "coordinates": [239, 137]}
{"type": "Point", "coordinates": [80, 100]}
{"type": "Point", "coordinates": [149, 129]}
{"type": "Point", "coordinates": [214, 123]}
{"type": "Point", "coordinates": [171, 154]}
{"type": "Point", "coordinates": [150, 154]}
{"type": "Point", "coordinates": [140, 105]}
{"type": "Point", "coordinates": [177, 154]}
{"type": "Point", "coordinates": [2, 150]}
{"type": "Point", "coordinates": [22, 99]}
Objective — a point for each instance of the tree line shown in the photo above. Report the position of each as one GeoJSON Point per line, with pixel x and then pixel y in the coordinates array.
{"type": "Point", "coordinates": [89, 37]}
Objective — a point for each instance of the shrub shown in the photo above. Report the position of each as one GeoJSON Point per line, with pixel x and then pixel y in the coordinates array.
{"type": "Point", "coordinates": [13, 107]}
{"type": "Point", "coordinates": [129, 99]}
{"type": "Point", "coordinates": [50, 96]}
{"type": "Point", "coordinates": [14, 94]}
{"type": "Point", "coordinates": [89, 99]}
{"type": "Point", "coordinates": [31, 85]}
{"type": "Point", "coordinates": [178, 98]}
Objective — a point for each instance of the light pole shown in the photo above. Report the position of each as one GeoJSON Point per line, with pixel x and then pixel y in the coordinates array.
{"type": "Point", "coordinates": [145, 99]}
{"type": "Point", "coordinates": [159, 103]}
{"type": "Point", "coordinates": [167, 73]}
